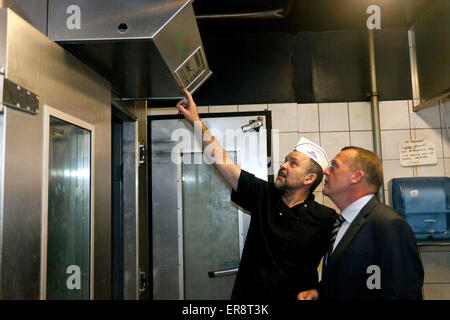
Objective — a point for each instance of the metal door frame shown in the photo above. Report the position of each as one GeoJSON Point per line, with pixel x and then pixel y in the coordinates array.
{"type": "Point", "coordinates": [32, 61]}
{"type": "Point", "coordinates": [48, 112]}
{"type": "Point", "coordinates": [268, 127]}
{"type": "Point", "coordinates": [130, 200]}
{"type": "Point", "coordinates": [180, 214]}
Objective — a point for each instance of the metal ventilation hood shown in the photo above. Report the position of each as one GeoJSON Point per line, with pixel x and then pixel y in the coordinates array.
{"type": "Point", "coordinates": [146, 49]}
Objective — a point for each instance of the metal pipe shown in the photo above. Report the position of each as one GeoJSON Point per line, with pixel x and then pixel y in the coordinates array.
{"type": "Point", "coordinates": [268, 14]}
{"type": "Point", "coordinates": [374, 94]}
{"type": "Point", "coordinates": [272, 14]}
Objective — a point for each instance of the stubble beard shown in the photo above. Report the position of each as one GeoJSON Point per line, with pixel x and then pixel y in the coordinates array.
{"type": "Point", "coordinates": [284, 187]}
{"type": "Point", "coordinates": [280, 185]}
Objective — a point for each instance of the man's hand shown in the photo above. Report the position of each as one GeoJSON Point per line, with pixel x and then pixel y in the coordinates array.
{"type": "Point", "coordinates": [213, 150]}
{"type": "Point", "coordinates": [312, 294]}
{"type": "Point", "coordinates": [188, 108]}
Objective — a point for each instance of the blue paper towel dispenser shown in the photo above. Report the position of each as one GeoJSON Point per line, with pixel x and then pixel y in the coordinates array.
{"type": "Point", "coordinates": [425, 203]}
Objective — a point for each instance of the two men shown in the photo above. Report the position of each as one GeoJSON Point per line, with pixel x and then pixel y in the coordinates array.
{"type": "Point", "coordinates": [289, 232]}
{"type": "Point", "coordinates": [370, 250]}
{"type": "Point", "coordinates": [374, 254]}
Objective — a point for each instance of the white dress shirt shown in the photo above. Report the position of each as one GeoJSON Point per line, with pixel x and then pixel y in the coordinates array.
{"type": "Point", "coordinates": [349, 214]}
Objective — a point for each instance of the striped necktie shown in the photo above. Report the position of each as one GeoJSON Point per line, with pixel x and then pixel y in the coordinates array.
{"type": "Point", "coordinates": [336, 226]}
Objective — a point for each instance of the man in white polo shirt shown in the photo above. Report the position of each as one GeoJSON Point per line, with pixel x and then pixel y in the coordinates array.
{"type": "Point", "coordinates": [373, 252]}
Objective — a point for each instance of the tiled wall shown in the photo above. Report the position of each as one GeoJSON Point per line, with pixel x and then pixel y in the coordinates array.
{"type": "Point", "coordinates": [335, 125]}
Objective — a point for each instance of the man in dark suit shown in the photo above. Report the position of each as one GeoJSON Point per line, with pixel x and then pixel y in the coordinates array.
{"type": "Point", "coordinates": [373, 253]}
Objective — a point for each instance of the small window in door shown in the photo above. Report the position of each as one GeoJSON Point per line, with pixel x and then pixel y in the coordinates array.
{"type": "Point", "coordinates": [68, 261]}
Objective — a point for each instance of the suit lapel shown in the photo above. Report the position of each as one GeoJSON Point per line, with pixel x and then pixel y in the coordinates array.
{"type": "Point", "coordinates": [352, 230]}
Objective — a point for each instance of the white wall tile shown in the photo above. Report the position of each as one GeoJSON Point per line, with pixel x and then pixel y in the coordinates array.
{"type": "Point", "coordinates": [445, 117]}
{"type": "Point", "coordinates": [308, 117]}
{"type": "Point", "coordinates": [329, 203]}
{"type": "Point", "coordinates": [387, 198]}
{"type": "Point", "coordinates": [275, 138]}
{"type": "Point", "coordinates": [203, 109]}
{"type": "Point", "coordinates": [447, 167]}
{"type": "Point", "coordinates": [393, 169]}
{"type": "Point", "coordinates": [394, 115]}
{"type": "Point", "coordinates": [285, 142]}
{"type": "Point", "coordinates": [162, 111]}
{"type": "Point", "coordinates": [333, 117]}
{"type": "Point", "coordinates": [312, 136]}
{"type": "Point", "coordinates": [333, 142]}
{"type": "Point", "coordinates": [431, 134]}
{"type": "Point", "coordinates": [319, 269]}
{"type": "Point", "coordinates": [252, 107]}
{"type": "Point", "coordinates": [432, 170]}
{"type": "Point", "coordinates": [362, 139]}
{"type": "Point", "coordinates": [284, 116]}
{"type": "Point", "coordinates": [390, 141]}
{"type": "Point", "coordinates": [425, 118]}
{"type": "Point", "coordinates": [219, 109]}
{"type": "Point", "coordinates": [318, 196]}
{"type": "Point", "coordinates": [320, 186]}
{"type": "Point", "coordinates": [360, 116]}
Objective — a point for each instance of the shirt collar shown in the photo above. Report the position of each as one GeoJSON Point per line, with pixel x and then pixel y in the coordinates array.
{"type": "Point", "coordinates": [308, 199]}
{"type": "Point", "coordinates": [354, 208]}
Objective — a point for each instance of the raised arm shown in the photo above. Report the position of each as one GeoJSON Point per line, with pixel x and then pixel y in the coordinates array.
{"type": "Point", "coordinates": [217, 154]}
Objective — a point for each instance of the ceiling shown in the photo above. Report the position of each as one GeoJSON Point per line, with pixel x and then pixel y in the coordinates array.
{"type": "Point", "coordinates": [304, 15]}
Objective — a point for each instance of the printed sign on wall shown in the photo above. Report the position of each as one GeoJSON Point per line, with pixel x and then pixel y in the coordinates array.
{"type": "Point", "coordinates": [417, 153]}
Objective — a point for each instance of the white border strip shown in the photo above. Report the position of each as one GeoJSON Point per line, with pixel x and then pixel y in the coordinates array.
{"type": "Point", "coordinates": [49, 111]}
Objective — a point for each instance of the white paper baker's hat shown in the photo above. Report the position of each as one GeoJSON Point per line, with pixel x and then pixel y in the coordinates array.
{"type": "Point", "coordinates": [313, 151]}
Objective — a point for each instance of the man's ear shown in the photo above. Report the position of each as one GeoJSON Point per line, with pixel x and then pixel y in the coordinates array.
{"type": "Point", "coordinates": [358, 175]}
{"type": "Point", "coordinates": [310, 178]}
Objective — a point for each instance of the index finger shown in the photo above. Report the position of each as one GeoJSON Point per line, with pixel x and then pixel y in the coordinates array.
{"type": "Point", "coordinates": [188, 95]}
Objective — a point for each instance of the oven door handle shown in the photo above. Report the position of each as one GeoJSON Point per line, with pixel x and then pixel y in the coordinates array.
{"type": "Point", "coordinates": [222, 273]}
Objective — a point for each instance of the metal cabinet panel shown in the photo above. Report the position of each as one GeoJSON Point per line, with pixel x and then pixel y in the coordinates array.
{"type": "Point", "coordinates": [100, 19]}
{"type": "Point", "coordinates": [137, 45]}
{"type": "Point", "coordinates": [34, 12]}
{"type": "Point", "coordinates": [429, 46]}
{"type": "Point", "coordinates": [63, 82]}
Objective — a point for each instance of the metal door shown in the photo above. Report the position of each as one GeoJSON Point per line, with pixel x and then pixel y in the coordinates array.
{"type": "Point", "coordinates": [36, 261]}
{"type": "Point", "coordinates": [198, 233]}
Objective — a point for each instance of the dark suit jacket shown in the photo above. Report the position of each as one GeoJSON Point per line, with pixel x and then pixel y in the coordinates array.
{"type": "Point", "coordinates": [377, 236]}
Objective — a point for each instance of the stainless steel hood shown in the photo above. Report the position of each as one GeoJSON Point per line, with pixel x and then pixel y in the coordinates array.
{"type": "Point", "coordinates": [146, 49]}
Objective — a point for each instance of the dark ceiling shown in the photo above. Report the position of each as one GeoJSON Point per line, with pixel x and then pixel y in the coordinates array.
{"type": "Point", "coordinates": [303, 15]}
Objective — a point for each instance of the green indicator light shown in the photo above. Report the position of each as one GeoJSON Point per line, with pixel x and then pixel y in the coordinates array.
{"type": "Point", "coordinates": [178, 43]}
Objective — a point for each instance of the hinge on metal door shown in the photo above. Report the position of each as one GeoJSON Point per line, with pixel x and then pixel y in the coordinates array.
{"type": "Point", "coordinates": [253, 124]}
{"type": "Point", "coordinates": [16, 96]}
{"type": "Point", "coordinates": [142, 153]}
{"type": "Point", "coordinates": [143, 281]}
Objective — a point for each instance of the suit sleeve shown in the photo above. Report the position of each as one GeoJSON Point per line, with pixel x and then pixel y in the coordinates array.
{"type": "Point", "coordinates": [400, 268]}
